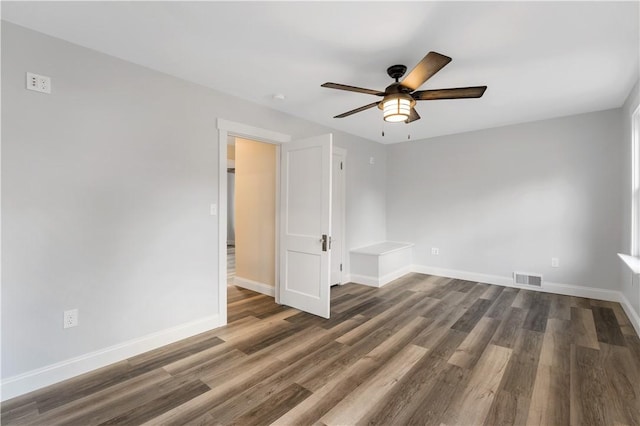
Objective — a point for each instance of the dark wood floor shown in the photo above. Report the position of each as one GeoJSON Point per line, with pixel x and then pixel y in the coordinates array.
{"type": "Point", "coordinates": [421, 350]}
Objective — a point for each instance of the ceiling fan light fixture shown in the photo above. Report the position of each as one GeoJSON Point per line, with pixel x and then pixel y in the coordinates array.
{"type": "Point", "coordinates": [397, 108]}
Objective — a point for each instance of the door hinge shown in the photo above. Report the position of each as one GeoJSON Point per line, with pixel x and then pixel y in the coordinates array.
{"type": "Point", "coordinates": [341, 267]}
{"type": "Point", "coordinates": [341, 165]}
{"type": "Point", "coordinates": [326, 242]}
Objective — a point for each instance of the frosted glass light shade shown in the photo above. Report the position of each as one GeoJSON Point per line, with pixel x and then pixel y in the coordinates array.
{"type": "Point", "coordinates": [396, 109]}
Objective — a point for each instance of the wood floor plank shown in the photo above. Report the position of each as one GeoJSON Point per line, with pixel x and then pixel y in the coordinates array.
{"type": "Point", "coordinates": [509, 328]}
{"type": "Point", "coordinates": [523, 299]}
{"type": "Point", "coordinates": [109, 402]}
{"type": "Point", "coordinates": [633, 343]}
{"type": "Point", "coordinates": [548, 403]}
{"type": "Point", "coordinates": [518, 380]}
{"type": "Point", "coordinates": [438, 328]}
{"type": "Point", "coordinates": [381, 345]}
{"type": "Point", "coordinates": [584, 328]}
{"type": "Point", "coordinates": [471, 317]}
{"type": "Point", "coordinates": [468, 353]}
{"type": "Point", "coordinates": [536, 319]}
{"type": "Point", "coordinates": [160, 405]}
{"type": "Point", "coordinates": [622, 383]}
{"type": "Point", "coordinates": [473, 404]}
{"type": "Point", "coordinates": [560, 307]}
{"type": "Point", "coordinates": [365, 397]}
{"type": "Point", "coordinates": [274, 407]}
{"type": "Point", "coordinates": [329, 391]}
{"type": "Point", "coordinates": [248, 399]}
{"type": "Point", "coordinates": [449, 382]}
{"type": "Point", "coordinates": [623, 321]}
{"type": "Point", "coordinates": [474, 294]}
{"type": "Point", "coordinates": [556, 345]}
{"type": "Point", "coordinates": [493, 292]}
{"type": "Point", "coordinates": [502, 303]}
{"type": "Point", "coordinates": [367, 327]}
{"type": "Point", "coordinates": [216, 363]}
{"type": "Point", "coordinates": [607, 327]}
{"type": "Point", "coordinates": [424, 283]}
{"type": "Point", "coordinates": [588, 388]}
{"type": "Point", "coordinates": [422, 350]}
{"type": "Point", "coordinates": [404, 399]}
{"type": "Point", "coordinates": [22, 414]}
{"type": "Point", "coordinates": [295, 352]}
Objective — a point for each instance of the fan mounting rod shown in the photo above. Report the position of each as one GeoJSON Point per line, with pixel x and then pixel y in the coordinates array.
{"type": "Point", "coordinates": [396, 71]}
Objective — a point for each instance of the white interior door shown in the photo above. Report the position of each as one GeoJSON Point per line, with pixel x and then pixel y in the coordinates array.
{"type": "Point", "coordinates": [305, 197]}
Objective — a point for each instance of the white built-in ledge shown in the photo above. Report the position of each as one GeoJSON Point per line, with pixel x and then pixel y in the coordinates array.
{"type": "Point", "coordinates": [631, 261]}
{"type": "Point", "coordinates": [380, 263]}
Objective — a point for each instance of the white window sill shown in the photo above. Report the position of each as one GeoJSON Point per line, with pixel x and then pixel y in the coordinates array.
{"type": "Point", "coordinates": [632, 262]}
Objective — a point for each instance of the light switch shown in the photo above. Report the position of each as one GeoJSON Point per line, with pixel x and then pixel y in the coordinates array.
{"type": "Point", "coordinates": [213, 210]}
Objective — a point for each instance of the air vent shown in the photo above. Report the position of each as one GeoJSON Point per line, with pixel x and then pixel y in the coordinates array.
{"type": "Point", "coordinates": [527, 279]}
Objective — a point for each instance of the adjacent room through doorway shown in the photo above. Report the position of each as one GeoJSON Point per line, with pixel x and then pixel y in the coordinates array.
{"type": "Point", "coordinates": [251, 215]}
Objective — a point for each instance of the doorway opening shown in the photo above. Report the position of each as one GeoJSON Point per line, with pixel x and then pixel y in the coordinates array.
{"type": "Point", "coordinates": [301, 281]}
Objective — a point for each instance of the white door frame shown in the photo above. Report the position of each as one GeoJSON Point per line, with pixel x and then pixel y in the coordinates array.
{"type": "Point", "coordinates": [343, 215]}
{"type": "Point", "coordinates": [228, 128]}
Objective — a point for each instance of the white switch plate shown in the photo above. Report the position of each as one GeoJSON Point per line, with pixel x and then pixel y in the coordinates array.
{"type": "Point", "coordinates": [372, 160]}
{"type": "Point", "coordinates": [435, 251]}
{"type": "Point", "coordinates": [39, 83]}
{"type": "Point", "coordinates": [213, 210]}
{"type": "Point", "coordinates": [555, 262]}
{"type": "Point", "coordinates": [70, 318]}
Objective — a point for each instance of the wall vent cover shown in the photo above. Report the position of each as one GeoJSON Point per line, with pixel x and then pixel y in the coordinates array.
{"type": "Point", "coordinates": [527, 279]}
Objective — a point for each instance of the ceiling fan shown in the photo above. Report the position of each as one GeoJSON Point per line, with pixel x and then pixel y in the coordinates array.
{"type": "Point", "coordinates": [399, 98]}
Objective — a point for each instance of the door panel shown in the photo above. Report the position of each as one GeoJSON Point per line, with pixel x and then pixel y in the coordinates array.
{"type": "Point", "coordinates": [306, 215]}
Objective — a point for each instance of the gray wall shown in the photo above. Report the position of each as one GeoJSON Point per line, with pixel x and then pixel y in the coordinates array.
{"type": "Point", "coordinates": [106, 186]}
{"type": "Point", "coordinates": [629, 285]}
{"type": "Point", "coordinates": [509, 199]}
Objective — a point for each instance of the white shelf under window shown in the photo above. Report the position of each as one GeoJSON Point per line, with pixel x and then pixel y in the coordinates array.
{"type": "Point", "coordinates": [632, 262]}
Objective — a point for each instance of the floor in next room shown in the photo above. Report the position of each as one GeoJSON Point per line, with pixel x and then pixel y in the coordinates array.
{"type": "Point", "coordinates": [420, 350]}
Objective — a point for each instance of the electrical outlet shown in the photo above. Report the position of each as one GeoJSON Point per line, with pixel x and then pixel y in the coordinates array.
{"type": "Point", "coordinates": [39, 83]}
{"type": "Point", "coordinates": [435, 251]}
{"type": "Point", "coordinates": [555, 262]}
{"type": "Point", "coordinates": [70, 318]}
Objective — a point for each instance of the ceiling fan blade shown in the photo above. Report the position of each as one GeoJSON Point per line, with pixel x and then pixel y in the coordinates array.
{"type": "Point", "coordinates": [413, 116]}
{"type": "Point", "coordinates": [457, 93]}
{"type": "Point", "coordinates": [353, 111]}
{"type": "Point", "coordinates": [425, 69]}
{"type": "Point", "coordinates": [352, 89]}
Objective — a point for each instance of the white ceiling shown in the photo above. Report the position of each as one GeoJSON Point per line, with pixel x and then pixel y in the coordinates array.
{"type": "Point", "coordinates": [538, 59]}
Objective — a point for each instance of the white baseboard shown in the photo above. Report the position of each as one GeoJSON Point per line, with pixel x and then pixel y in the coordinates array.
{"type": "Point", "coordinates": [549, 287]}
{"type": "Point", "coordinates": [380, 281]}
{"type": "Point", "coordinates": [631, 313]}
{"type": "Point", "coordinates": [54, 373]}
{"type": "Point", "coordinates": [464, 275]}
{"type": "Point", "coordinates": [255, 286]}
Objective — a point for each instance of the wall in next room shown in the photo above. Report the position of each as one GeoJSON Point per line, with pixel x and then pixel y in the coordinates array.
{"type": "Point", "coordinates": [511, 198]}
{"type": "Point", "coordinates": [255, 210]}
